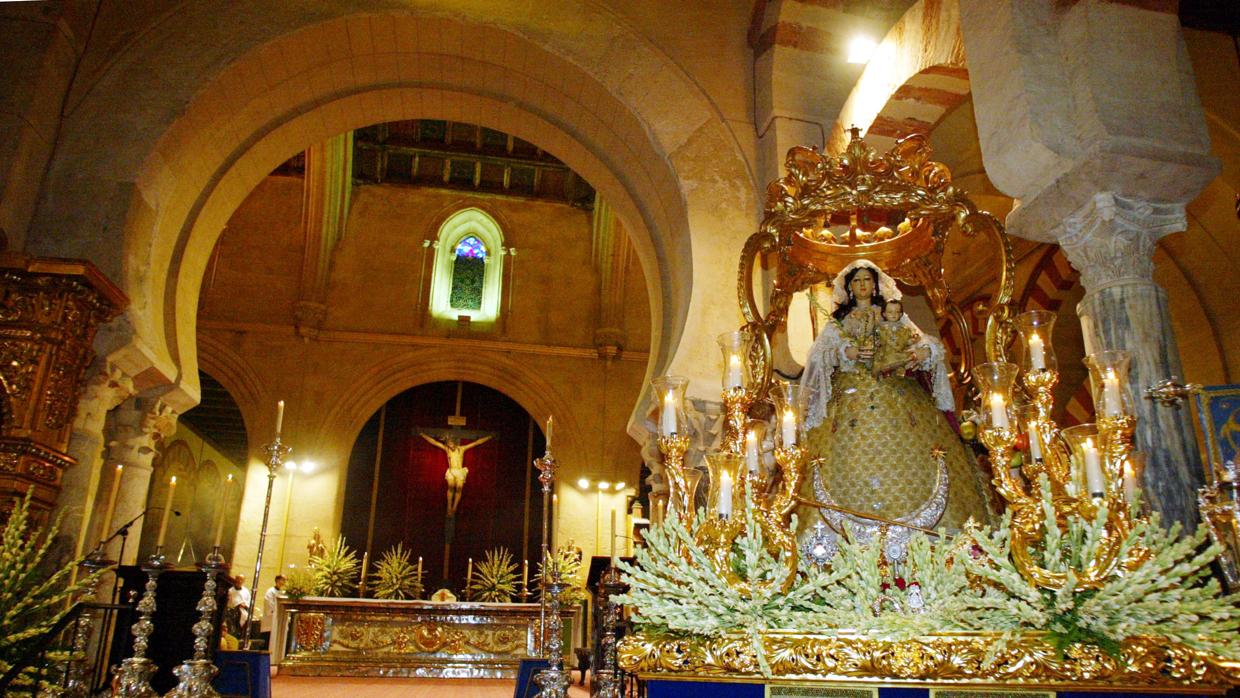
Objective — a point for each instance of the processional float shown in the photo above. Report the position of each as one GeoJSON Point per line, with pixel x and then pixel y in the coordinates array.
{"type": "Point", "coordinates": [1064, 592]}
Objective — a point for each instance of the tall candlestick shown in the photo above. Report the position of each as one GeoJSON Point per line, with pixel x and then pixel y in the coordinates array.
{"type": "Point", "coordinates": [998, 412]}
{"type": "Point", "coordinates": [279, 418]}
{"type": "Point", "coordinates": [667, 420]}
{"type": "Point", "coordinates": [613, 537]}
{"type": "Point", "coordinates": [751, 451]}
{"type": "Point", "coordinates": [1094, 481]}
{"type": "Point", "coordinates": [116, 490]}
{"type": "Point", "coordinates": [1037, 353]}
{"type": "Point", "coordinates": [734, 379]}
{"type": "Point", "coordinates": [789, 428]}
{"type": "Point", "coordinates": [163, 525]}
{"type": "Point", "coordinates": [219, 519]}
{"type": "Point", "coordinates": [1113, 406]}
{"type": "Point", "coordinates": [725, 495]}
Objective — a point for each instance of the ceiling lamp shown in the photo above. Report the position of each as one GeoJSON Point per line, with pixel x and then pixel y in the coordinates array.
{"type": "Point", "coordinates": [861, 49]}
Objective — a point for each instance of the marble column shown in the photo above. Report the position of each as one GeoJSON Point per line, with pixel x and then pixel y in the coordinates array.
{"type": "Point", "coordinates": [135, 431]}
{"type": "Point", "coordinates": [106, 387]}
{"type": "Point", "coordinates": [1110, 240]}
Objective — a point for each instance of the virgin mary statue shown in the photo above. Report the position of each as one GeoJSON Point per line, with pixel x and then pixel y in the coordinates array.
{"type": "Point", "coordinates": [879, 430]}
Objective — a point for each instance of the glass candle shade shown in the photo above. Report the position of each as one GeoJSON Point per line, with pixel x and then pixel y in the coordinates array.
{"type": "Point", "coordinates": [735, 347]}
{"type": "Point", "coordinates": [1108, 383]}
{"type": "Point", "coordinates": [669, 392]}
{"type": "Point", "coordinates": [724, 469]}
{"type": "Point", "coordinates": [789, 413]}
{"type": "Point", "coordinates": [994, 381]}
{"type": "Point", "coordinates": [693, 478]}
{"type": "Point", "coordinates": [1037, 351]}
{"type": "Point", "coordinates": [1086, 455]}
{"type": "Point", "coordinates": [755, 435]}
{"type": "Point", "coordinates": [1027, 416]}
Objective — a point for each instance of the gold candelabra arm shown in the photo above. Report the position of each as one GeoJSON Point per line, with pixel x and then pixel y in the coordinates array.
{"type": "Point", "coordinates": [736, 402]}
{"type": "Point", "coordinates": [792, 461]}
{"type": "Point", "coordinates": [673, 447]}
{"type": "Point", "coordinates": [1000, 441]}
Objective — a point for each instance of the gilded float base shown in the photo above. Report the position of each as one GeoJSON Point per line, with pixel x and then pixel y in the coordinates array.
{"type": "Point", "coordinates": [975, 659]}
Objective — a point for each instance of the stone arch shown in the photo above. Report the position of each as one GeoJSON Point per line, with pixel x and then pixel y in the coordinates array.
{"type": "Point", "coordinates": [601, 100]}
{"type": "Point", "coordinates": [916, 76]}
{"type": "Point", "coordinates": [238, 378]}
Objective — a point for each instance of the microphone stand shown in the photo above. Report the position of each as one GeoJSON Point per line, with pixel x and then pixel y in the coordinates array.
{"type": "Point", "coordinates": [98, 559]}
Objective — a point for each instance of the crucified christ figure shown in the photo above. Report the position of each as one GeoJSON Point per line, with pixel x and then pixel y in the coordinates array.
{"type": "Point", "coordinates": [457, 472]}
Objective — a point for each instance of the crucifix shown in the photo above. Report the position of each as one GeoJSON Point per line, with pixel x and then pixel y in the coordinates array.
{"type": "Point", "coordinates": [451, 442]}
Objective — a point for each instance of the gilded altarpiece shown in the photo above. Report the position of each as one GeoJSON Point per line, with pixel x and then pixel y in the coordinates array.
{"type": "Point", "coordinates": [50, 310]}
{"type": "Point", "coordinates": [371, 637]}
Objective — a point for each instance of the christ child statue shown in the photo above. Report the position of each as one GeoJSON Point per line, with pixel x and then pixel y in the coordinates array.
{"type": "Point", "coordinates": [893, 339]}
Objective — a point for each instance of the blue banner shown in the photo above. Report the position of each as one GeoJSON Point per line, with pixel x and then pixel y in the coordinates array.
{"type": "Point", "coordinates": [1218, 408]}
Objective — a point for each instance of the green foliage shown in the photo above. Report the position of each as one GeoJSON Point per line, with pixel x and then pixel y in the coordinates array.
{"type": "Point", "coordinates": [397, 577]}
{"type": "Point", "coordinates": [495, 578]}
{"type": "Point", "coordinates": [567, 561]}
{"type": "Point", "coordinates": [31, 601]}
{"type": "Point", "coordinates": [944, 587]}
{"type": "Point", "coordinates": [300, 582]}
{"type": "Point", "coordinates": [335, 573]}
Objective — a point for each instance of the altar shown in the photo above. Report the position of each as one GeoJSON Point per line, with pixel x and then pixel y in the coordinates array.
{"type": "Point", "coordinates": [373, 637]}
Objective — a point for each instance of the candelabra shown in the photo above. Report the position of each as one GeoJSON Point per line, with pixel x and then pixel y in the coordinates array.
{"type": "Point", "coordinates": [553, 680]}
{"type": "Point", "coordinates": [134, 674]}
{"type": "Point", "coordinates": [1087, 467]}
{"type": "Point", "coordinates": [78, 681]}
{"type": "Point", "coordinates": [1219, 502]}
{"type": "Point", "coordinates": [195, 674]}
{"type": "Point", "coordinates": [546, 477]}
{"type": "Point", "coordinates": [276, 453]}
{"type": "Point", "coordinates": [607, 678]}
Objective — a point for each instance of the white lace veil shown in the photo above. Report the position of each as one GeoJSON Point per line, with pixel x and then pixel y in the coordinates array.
{"type": "Point", "coordinates": [886, 285]}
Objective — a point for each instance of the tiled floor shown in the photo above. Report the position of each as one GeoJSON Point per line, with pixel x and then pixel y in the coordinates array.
{"type": "Point", "coordinates": [328, 687]}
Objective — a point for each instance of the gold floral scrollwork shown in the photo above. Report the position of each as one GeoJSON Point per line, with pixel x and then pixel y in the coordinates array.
{"type": "Point", "coordinates": [965, 658]}
{"type": "Point", "coordinates": [311, 631]}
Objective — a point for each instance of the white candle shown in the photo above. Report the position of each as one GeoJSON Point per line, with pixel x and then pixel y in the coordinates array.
{"type": "Point", "coordinates": [998, 412]}
{"type": "Point", "coordinates": [668, 418]}
{"type": "Point", "coordinates": [1035, 450]}
{"type": "Point", "coordinates": [1112, 405]}
{"type": "Point", "coordinates": [751, 451]}
{"type": "Point", "coordinates": [1130, 483]}
{"type": "Point", "coordinates": [116, 490]}
{"type": "Point", "coordinates": [525, 573]}
{"type": "Point", "coordinates": [1094, 481]}
{"type": "Point", "coordinates": [163, 525]}
{"type": "Point", "coordinates": [550, 426]}
{"type": "Point", "coordinates": [789, 428]}
{"type": "Point", "coordinates": [279, 418]}
{"type": "Point", "coordinates": [469, 572]}
{"type": "Point", "coordinates": [419, 568]}
{"type": "Point", "coordinates": [725, 495]}
{"type": "Point", "coordinates": [613, 537]}
{"type": "Point", "coordinates": [1037, 353]}
{"type": "Point", "coordinates": [219, 519]}
{"type": "Point", "coordinates": [734, 372]}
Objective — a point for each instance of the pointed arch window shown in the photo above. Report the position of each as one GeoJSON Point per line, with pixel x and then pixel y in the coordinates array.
{"type": "Point", "coordinates": [468, 273]}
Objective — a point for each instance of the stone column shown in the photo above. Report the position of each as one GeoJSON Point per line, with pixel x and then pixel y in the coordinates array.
{"type": "Point", "coordinates": [135, 430]}
{"type": "Point", "coordinates": [1111, 242]}
{"type": "Point", "coordinates": [106, 387]}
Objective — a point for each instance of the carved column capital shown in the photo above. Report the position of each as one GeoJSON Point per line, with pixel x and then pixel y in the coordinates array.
{"type": "Point", "coordinates": [137, 428]}
{"type": "Point", "coordinates": [1111, 238]}
{"type": "Point", "coordinates": [107, 386]}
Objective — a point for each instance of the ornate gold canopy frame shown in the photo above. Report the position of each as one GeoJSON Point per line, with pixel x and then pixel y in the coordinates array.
{"type": "Point", "coordinates": [897, 210]}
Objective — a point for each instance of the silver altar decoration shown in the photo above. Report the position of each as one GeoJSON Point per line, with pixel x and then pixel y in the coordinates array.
{"type": "Point", "coordinates": [554, 680]}
{"type": "Point", "coordinates": [276, 453]}
{"type": "Point", "coordinates": [134, 674]}
{"type": "Point", "coordinates": [607, 679]}
{"type": "Point", "coordinates": [195, 674]}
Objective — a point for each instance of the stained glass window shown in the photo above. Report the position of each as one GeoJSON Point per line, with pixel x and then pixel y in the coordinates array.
{"type": "Point", "coordinates": [470, 247]}
{"type": "Point", "coordinates": [468, 273]}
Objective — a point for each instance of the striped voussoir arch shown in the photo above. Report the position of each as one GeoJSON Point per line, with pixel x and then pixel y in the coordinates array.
{"type": "Point", "coordinates": [918, 105]}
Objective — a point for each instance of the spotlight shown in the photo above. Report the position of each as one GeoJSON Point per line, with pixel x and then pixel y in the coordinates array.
{"type": "Point", "coordinates": [583, 484]}
{"type": "Point", "coordinates": [619, 486]}
{"type": "Point", "coordinates": [861, 49]}
{"type": "Point", "coordinates": [290, 465]}
{"type": "Point", "coordinates": [602, 485]}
